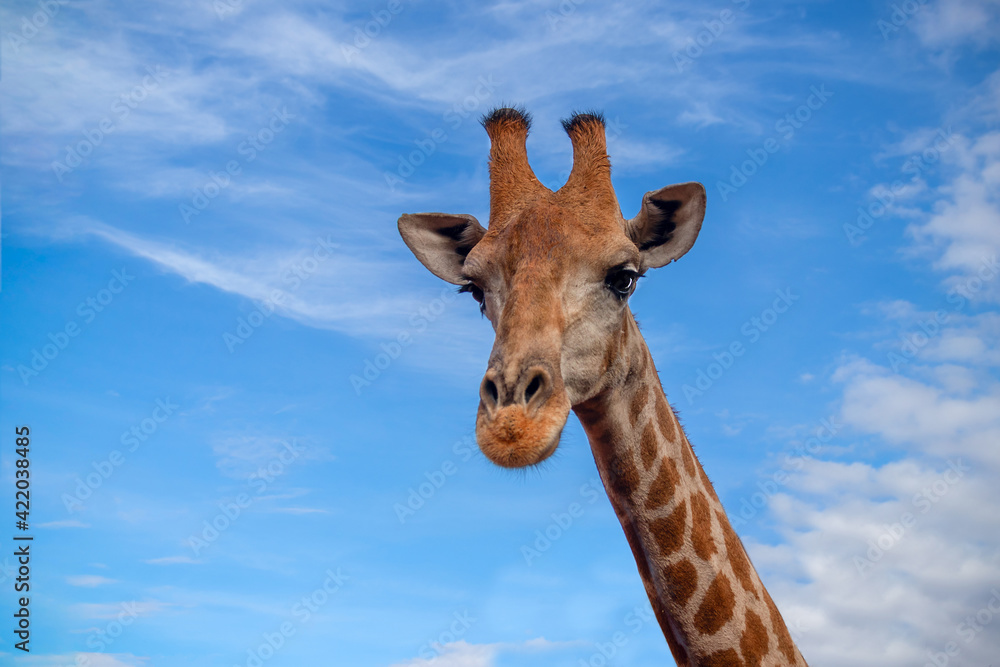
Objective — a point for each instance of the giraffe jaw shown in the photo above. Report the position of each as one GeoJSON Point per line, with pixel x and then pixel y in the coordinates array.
{"type": "Point", "coordinates": [512, 438]}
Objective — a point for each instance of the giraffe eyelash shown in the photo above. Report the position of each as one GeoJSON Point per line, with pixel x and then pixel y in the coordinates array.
{"type": "Point", "coordinates": [477, 294]}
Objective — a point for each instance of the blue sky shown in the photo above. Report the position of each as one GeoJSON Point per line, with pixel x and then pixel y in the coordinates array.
{"type": "Point", "coordinates": [200, 253]}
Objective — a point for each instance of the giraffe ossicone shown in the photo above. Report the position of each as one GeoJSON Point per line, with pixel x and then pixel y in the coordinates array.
{"type": "Point", "coordinates": [553, 272]}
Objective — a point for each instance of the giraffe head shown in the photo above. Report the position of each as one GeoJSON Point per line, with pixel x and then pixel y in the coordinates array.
{"type": "Point", "coordinates": [553, 273]}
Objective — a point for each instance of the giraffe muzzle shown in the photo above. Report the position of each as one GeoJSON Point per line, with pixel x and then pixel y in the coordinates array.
{"type": "Point", "coordinates": [521, 416]}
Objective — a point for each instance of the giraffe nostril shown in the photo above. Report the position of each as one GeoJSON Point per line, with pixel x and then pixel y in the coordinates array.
{"type": "Point", "coordinates": [538, 390]}
{"type": "Point", "coordinates": [490, 391]}
{"type": "Point", "coordinates": [532, 388]}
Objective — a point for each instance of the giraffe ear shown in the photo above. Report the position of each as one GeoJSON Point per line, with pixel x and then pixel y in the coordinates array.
{"type": "Point", "coordinates": [668, 223]}
{"type": "Point", "coordinates": [441, 241]}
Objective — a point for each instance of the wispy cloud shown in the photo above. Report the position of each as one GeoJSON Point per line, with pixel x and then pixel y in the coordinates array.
{"type": "Point", "coordinates": [241, 454]}
{"type": "Point", "coordinates": [320, 298]}
{"type": "Point", "coordinates": [64, 523]}
{"type": "Point", "coordinates": [867, 547]}
{"type": "Point", "coordinates": [92, 659]}
{"type": "Point", "coordinates": [958, 22]}
{"type": "Point", "coordinates": [89, 580]}
{"type": "Point", "coordinates": [464, 654]}
{"type": "Point", "coordinates": [172, 560]}
{"type": "Point", "coordinates": [112, 610]}
{"type": "Point", "coordinates": [963, 228]}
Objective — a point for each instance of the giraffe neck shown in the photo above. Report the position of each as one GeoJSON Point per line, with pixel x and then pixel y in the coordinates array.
{"type": "Point", "coordinates": [709, 601]}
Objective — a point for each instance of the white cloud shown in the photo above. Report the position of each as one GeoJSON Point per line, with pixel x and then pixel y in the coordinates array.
{"type": "Point", "coordinates": [300, 510]}
{"type": "Point", "coordinates": [64, 523]}
{"type": "Point", "coordinates": [871, 573]}
{"type": "Point", "coordinates": [113, 610]}
{"type": "Point", "coordinates": [889, 545]}
{"type": "Point", "coordinates": [239, 455]}
{"type": "Point", "coordinates": [881, 563]}
{"type": "Point", "coordinates": [963, 231]}
{"type": "Point", "coordinates": [89, 580]}
{"type": "Point", "coordinates": [457, 654]}
{"type": "Point", "coordinates": [65, 84]}
{"type": "Point", "coordinates": [925, 418]}
{"type": "Point", "coordinates": [90, 659]}
{"type": "Point", "coordinates": [321, 298]}
{"type": "Point", "coordinates": [700, 115]}
{"type": "Point", "coordinates": [114, 660]}
{"type": "Point", "coordinates": [633, 155]}
{"type": "Point", "coordinates": [958, 22]}
{"type": "Point", "coordinates": [171, 560]}
{"type": "Point", "coordinates": [464, 654]}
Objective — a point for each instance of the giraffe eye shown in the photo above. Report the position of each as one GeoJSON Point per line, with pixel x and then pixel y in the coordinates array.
{"type": "Point", "coordinates": [621, 282]}
{"type": "Point", "coordinates": [477, 294]}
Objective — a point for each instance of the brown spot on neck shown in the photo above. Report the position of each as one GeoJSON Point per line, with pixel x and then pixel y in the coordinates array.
{"type": "Point", "coordinates": [639, 400]}
{"type": "Point", "coordinates": [648, 448]}
{"type": "Point", "coordinates": [666, 419]}
{"type": "Point", "coordinates": [687, 455]}
{"type": "Point", "coordinates": [701, 527]}
{"type": "Point", "coordinates": [661, 491]}
{"type": "Point", "coordinates": [725, 658]}
{"type": "Point", "coordinates": [623, 475]}
{"type": "Point", "coordinates": [717, 606]}
{"type": "Point", "coordinates": [671, 432]}
{"type": "Point", "coordinates": [681, 579]}
{"type": "Point", "coordinates": [754, 642]}
{"type": "Point", "coordinates": [668, 532]}
{"type": "Point", "coordinates": [736, 554]}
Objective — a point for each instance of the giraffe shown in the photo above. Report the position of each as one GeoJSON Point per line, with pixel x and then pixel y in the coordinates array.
{"type": "Point", "coordinates": [553, 273]}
